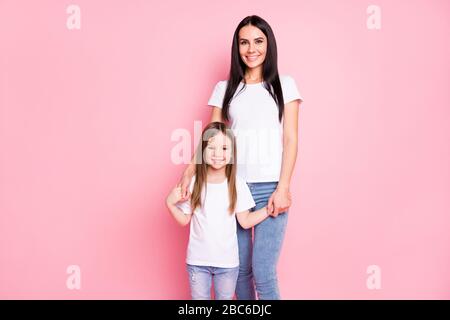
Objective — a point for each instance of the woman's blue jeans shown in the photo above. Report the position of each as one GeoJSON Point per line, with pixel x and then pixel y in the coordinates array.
{"type": "Point", "coordinates": [258, 259]}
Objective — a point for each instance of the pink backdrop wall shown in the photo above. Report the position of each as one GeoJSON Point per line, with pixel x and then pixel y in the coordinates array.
{"type": "Point", "coordinates": [86, 123]}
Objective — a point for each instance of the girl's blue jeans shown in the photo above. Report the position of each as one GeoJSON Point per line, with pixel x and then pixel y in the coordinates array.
{"type": "Point", "coordinates": [201, 277]}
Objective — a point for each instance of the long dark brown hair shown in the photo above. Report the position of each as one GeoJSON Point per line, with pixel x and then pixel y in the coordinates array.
{"type": "Point", "coordinates": [270, 67]}
{"type": "Point", "coordinates": [201, 167]}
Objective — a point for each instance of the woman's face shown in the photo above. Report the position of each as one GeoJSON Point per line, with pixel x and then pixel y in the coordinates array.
{"type": "Point", "coordinates": [218, 151]}
{"type": "Point", "coordinates": [252, 46]}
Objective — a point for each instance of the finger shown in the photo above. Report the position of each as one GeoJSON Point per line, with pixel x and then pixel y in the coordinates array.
{"type": "Point", "coordinates": [276, 211]}
{"type": "Point", "coordinates": [187, 194]}
{"type": "Point", "coordinates": [270, 205]}
{"type": "Point", "coordinates": [183, 192]}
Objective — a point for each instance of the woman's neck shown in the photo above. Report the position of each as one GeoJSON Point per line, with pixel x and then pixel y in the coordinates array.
{"type": "Point", "coordinates": [254, 74]}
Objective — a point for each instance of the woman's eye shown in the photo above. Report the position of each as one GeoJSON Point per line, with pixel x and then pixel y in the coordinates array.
{"type": "Point", "coordinates": [257, 41]}
{"type": "Point", "coordinates": [225, 148]}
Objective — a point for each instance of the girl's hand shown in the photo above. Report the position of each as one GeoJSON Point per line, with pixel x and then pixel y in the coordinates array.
{"type": "Point", "coordinates": [279, 202]}
{"type": "Point", "coordinates": [174, 196]}
{"type": "Point", "coordinates": [184, 184]}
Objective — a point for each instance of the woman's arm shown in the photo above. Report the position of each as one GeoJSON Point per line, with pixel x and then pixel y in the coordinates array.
{"type": "Point", "coordinates": [216, 114]}
{"type": "Point", "coordinates": [185, 181]}
{"type": "Point", "coordinates": [249, 219]}
{"type": "Point", "coordinates": [281, 199]}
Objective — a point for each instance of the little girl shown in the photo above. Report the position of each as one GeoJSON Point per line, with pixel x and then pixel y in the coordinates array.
{"type": "Point", "coordinates": [218, 196]}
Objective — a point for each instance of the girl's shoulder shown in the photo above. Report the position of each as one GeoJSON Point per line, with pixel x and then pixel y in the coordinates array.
{"type": "Point", "coordinates": [240, 182]}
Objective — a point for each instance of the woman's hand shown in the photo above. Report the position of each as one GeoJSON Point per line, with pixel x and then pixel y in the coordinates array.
{"type": "Point", "coordinates": [184, 184]}
{"type": "Point", "coordinates": [279, 201]}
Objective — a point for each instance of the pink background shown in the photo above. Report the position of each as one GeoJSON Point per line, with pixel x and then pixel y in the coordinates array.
{"type": "Point", "coordinates": [87, 116]}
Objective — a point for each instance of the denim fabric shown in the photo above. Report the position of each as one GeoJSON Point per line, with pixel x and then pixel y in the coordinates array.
{"type": "Point", "coordinates": [258, 259]}
{"type": "Point", "coordinates": [201, 277]}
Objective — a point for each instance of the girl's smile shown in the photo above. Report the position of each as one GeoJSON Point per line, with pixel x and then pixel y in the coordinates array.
{"type": "Point", "coordinates": [218, 152]}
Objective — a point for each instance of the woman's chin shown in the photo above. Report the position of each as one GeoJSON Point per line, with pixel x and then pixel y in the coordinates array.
{"type": "Point", "coordinates": [253, 64]}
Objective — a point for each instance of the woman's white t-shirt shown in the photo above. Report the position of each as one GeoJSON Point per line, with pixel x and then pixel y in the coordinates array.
{"type": "Point", "coordinates": [213, 234]}
{"type": "Point", "coordinates": [254, 121]}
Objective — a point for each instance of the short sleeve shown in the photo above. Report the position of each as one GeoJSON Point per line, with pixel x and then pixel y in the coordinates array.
{"type": "Point", "coordinates": [185, 206]}
{"type": "Point", "coordinates": [244, 196]}
{"type": "Point", "coordinates": [290, 90]}
{"type": "Point", "coordinates": [217, 95]}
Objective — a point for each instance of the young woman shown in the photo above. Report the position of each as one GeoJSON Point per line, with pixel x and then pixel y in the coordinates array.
{"type": "Point", "coordinates": [262, 109]}
{"type": "Point", "coordinates": [218, 198]}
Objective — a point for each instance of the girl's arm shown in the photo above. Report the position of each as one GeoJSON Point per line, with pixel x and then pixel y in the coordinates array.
{"type": "Point", "coordinates": [173, 198]}
{"type": "Point", "coordinates": [186, 177]}
{"type": "Point", "coordinates": [281, 199]}
{"type": "Point", "coordinates": [249, 219]}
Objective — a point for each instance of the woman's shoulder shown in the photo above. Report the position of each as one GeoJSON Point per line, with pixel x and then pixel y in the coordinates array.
{"type": "Point", "coordinates": [220, 87]}
{"type": "Point", "coordinates": [285, 78]}
{"type": "Point", "coordinates": [222, 83]}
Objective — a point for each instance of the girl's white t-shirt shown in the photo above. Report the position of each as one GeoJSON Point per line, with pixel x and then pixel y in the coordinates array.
{"type": "Point", "coordinates": [213, 234]}
{"type": "Point", "coordinates": [254, 121]}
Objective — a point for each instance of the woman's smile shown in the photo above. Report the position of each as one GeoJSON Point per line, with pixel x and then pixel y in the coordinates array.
{"type": "Point", "coordinates": [252, 58]}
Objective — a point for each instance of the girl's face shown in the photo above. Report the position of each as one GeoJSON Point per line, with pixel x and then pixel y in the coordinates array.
{"type": "Point", "coordinates": [217, 153]}
{"type": "Point", "coordinates": [252, 46]}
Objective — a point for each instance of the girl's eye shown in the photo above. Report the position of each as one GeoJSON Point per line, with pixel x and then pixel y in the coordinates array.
{"type": "Point", "coordinates": [225, 148]}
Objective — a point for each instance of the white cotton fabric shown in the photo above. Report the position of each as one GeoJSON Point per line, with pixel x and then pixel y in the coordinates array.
{"type": "Point", "coordinates": [254, 121]}
{"type": "Point", "coordinates": [213, 234]}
